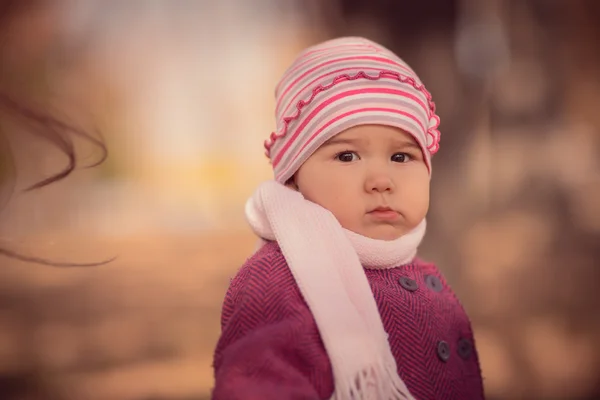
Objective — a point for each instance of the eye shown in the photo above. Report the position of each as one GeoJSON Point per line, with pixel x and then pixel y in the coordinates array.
{"type": "Point", "coordinates": [401, 157]}
{"type": "Point", "coordinates": [347, 156]}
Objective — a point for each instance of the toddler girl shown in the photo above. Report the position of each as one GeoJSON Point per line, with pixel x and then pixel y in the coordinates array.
{"type": "Point", "coordinates": [334, 304]}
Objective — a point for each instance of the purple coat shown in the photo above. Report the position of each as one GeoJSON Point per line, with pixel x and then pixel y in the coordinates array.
{"type": "Point", "coordinates": [270, 348]}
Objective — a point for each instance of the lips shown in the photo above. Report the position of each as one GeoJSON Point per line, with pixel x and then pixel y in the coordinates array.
{"type": "Point", "coordinates": [384, 214]}
{"type": "Point", "coordinates": [381, 209]}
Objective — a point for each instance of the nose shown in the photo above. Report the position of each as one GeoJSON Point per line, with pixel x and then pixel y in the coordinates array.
{"type": "Point", "coordinates": [379, 183]}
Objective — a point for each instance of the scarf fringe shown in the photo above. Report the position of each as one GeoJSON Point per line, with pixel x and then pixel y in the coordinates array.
{"type": "Point", "coordinates": [367, 386]}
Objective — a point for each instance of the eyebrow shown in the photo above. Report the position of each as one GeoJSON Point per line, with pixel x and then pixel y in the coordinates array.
{"type": "Point", "coordinates": [411, 144]}
{"type": "Point", "coordinates": [336, 140]}
{"type": "Point", "coordinates": [396, 142]}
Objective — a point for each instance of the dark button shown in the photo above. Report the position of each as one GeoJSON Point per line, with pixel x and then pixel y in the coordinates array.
{"type": "Point", "coordinates": [408, 284]}
{"type": "Point", "coordinates": [434, 283]}
{"type": "Point", "coordinates": [443, 350]}
{"type": "Point", "coordinates": [464, 349]}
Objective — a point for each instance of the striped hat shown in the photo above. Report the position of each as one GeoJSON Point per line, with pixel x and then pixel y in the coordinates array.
{"type": "Point", "coordinates": [342, 83]}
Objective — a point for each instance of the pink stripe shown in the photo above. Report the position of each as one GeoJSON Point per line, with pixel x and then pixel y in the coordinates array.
{"type": "Point", "coordinates": [335, 98]}
{"type": "Point", "coordinates": [343, 78]}
{"type": "Point", "coordinates": [320, 50]}
{"type": "Point", "coordinates": [299, 92]}
{"type": "Point", "coordinates": [384, 60]}
{"type": "Point", "coordinates": [391, 110]}
{"type": "Point", "coordinates": [337, 46]}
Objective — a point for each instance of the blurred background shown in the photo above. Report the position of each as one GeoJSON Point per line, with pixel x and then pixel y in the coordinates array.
{"type": "Point", "coordinates": [182, 92]}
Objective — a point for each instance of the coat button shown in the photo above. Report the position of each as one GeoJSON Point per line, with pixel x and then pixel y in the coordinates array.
{"type": "Point", "coordinates": [434, 283]}
{"type": "Point", "coordinates": [408, 284]}
{"type": "Point", "coordinates": [464, 349]}
{"type": "Point", "coordinates": [443, 350]}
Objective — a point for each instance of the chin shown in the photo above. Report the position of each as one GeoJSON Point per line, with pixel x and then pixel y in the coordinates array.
{"type": "Point", "coordinates": [390, 238]}
{"type": "Point", "coordinates": [384, 234]}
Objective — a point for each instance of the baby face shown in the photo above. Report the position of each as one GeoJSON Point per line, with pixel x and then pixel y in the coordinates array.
{"type": "Point", "coordinates": [373, 178]}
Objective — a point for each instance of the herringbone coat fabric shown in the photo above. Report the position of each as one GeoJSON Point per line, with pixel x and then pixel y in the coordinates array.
{"type": "Point", "coordinates": [270, 348]}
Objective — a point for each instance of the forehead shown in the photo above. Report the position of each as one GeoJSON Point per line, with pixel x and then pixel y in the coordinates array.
{"type": "Point", "coordinates": [373, 134]}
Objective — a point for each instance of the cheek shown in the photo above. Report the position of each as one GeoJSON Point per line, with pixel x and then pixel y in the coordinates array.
{"type": "Point", "coordinates": [414, 194]}
{"type": "Point", "coordinates": [419, 199]}
{"type": "Point", "coordinates": [327, 188]}
{"type": "Point", "coordinates": [424, 201]}
{"type": "Point", "coordinates": [327, 192]}
{"type": "Point", "coordinates": [311, 183]}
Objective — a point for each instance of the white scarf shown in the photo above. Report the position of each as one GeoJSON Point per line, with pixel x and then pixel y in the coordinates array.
{"type": "Point", "coordinates": [327, 261]}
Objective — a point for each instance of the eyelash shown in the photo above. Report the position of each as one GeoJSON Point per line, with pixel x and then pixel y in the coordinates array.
{"type": "Point", "coordinates": [406, 155]}
{"type": "Point", "coordinates": [337, 156]}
